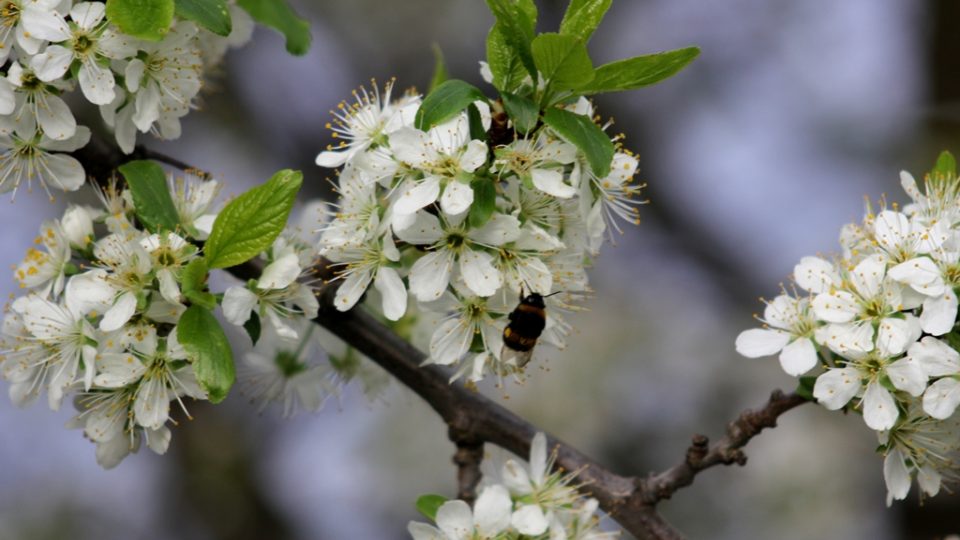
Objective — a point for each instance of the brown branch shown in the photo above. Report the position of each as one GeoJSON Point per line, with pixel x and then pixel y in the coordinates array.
{"type": "Point", "coordinates": [468, 457]}
{"type": "Point", "coordinates": [473, 419]}
{"type": "Point", "coordinates": [727, 451]}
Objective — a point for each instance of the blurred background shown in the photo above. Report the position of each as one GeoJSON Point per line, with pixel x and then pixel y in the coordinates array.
{"type": "Point", "coordinates": [755, 156]}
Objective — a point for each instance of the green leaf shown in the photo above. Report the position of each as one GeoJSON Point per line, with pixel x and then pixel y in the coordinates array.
{"type": "Point", "coordinates": [277, 15]}
{"type": "Point", "coordinates": [476, 123]}
{"type": "Point", "coordinates": [203, 338]}
{"type": "Point", "coordinates": [252, 326]}
{"type": "Point", "coordinates": [639, 71]}
{"type": "Point", "coordinates": [151, 196]}
{"type": "Point", "coordinates": [144, 19]}
{"type": "Point", "coordinates": [524, 112]}
{"type": "Point", "coordinates": [805, 388]}
{"type": "Point", "coordinates": [445, 102]}
{"type": "Point", "coordinates": [562, 60]}
{"type": "Point", "coordinates": [193, 283]}
{"type": "Point", "coordinates": [946, 167]}
{"type": "Point", "coordinates": [484, 201]}
{"type": "Point", "coordinates": [505, 66]}
{"type": "Point", "coordinates": [516, 21]}
{"type": "Point", "coordinates": [210, 14]}
{"type": "Point", "coordinates": [249, 224]}
{"type": "Point", "coordinates": [583, 17]}
{"type": "Point", "coordinates": [429, 504]}
{"type": "Point", "coordinates": [585, 135]}
{"type": "Point", "coordinates": [440, 74]}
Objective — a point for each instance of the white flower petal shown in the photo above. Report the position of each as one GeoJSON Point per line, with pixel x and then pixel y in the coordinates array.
{"type": "Point", "coordinates": [896, 475]}
{"type": "Point", "coordinates": [415, 197]}
{"type": "Point", "coordinates": [835, 306]}
{"type": "Point", "coordinates": [450, 341]}
{"type": "Point", "coordinates": [879, 408]}
{"type": "Point", "coordinates": [515, 477]}
{"type": "Point", "coordinates": [422, 531]}
{"type": "Point", "coordinates": [97, 83]}
{"type": "Point", "coordinates": [393, 291]}
{"type": "Point", "coordinates": [457, 198]}
{"type": "Point", "coordinates": [116, 370]}
{"type": "Point", "coordinates": [894, 335]}
{"type": "Point", "coordinates": [238, 302]}
{"type": "Point", "coordinates": [929, 480]}
{"type": "Point", "coordinates": [64, 172]}
{"type": "Point", "coordinates": [425, 229]}
{"type": "Point", "coordinates": [44, 24]}
{"type": "Point", "coordinates": [529, 520]}
{"type": "Point", "coordinates": [798, 357]}
{"type": "Point", "coordinates": [907, 375]}
{"type": "Point", "coordinates": [921, 273]}
{"type": "Point", "coordinates": [935, 357]}
{"type": "Point", "coordinates": [892, 229]}
{"type": "Point", "coordinates": [158, 440]}
{"type": "Point", "coordinates": [51, 64]}
{"type": "Point", "coordinates": [479, 273]}
{"type": "Point", "coordinates": [939, 313]}
{"type": "Point", "coordinates": [87, 14]}
{"type": "Point", "coordinates": [7, 99]}
{"type": "Point", "coordinates": [758, 342]}
{"type": "Point", "coordinates": [836, 387]}
{"type": "Point", "coordinates": [430, 275]}
{"type": "Point", "coordinates": [455, 520]}
{"type": "Point", "coordinates": [498, 230]}
{"type": "Point", "coordinates": [551, 182]}
{"type": "Point", "coordinates": [280, 273]}
{"type": "Point", "coordinates": [133, 74]}
{"type": "Point", "coordinates": [121, 312]}
{"type": "Point", "coordinates": [815, 275]}
{"type": "Point", "coordinates": [941, 399]}
{"type": "Point", "coordinates": [411, 146]}
{"type": "Point", "coordinates": [88, 292]}
{"type": "Point", "coordinates": [169, 289]}
{"type": "Point", "coordinates": [867, 276]}
{"type": "Point", "coordinates": [474, 156]}
{"type": "Point", "coordinates": [331, 159]}
{"type": "Point", "coordinates": [491, 512]}
{"type": "Point", "coordinates": [352, 289]}
{"type": "Point", "coordinates": [538, 458]}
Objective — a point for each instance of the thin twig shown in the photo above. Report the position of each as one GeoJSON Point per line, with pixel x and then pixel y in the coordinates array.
{"type": "Point", "coordinates": [727, 451]}
{"type": "Point", "coordinates": [474, 419]}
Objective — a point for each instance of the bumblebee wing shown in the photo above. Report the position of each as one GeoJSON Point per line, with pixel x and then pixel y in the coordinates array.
{"type": "Point", "coordinates": [514, 358]}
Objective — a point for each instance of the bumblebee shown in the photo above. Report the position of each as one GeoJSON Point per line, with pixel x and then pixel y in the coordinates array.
{"type": "Point", "coordinates": [527, 322]}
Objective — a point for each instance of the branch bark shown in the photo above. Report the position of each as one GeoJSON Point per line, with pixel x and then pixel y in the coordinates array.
{"type": "Point", "coordinates": [473, 419]}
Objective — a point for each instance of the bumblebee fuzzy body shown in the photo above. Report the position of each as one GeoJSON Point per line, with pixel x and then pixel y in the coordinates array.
{"type": "Point", "coordinates": [527, 322]}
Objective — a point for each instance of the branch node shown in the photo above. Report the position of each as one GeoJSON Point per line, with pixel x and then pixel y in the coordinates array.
{"type": "Point", "coordinates": [467, 458]}
{"type": "Point", "coordinates": [698, 450]}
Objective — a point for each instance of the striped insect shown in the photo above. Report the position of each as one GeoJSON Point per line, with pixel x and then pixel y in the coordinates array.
{"type": "Point", "coordinates": [527, 322]}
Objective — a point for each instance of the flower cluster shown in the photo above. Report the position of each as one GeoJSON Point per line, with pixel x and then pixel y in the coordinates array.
{"type": "Point", "coordinates": [49, 47]}
{"type": "Point", "coordinates": [876, 327]}
{"type": "Point", "coordinates": [102, 309]}
{"type": "Point", "coordinates": [529, 501]}
{"type": "Point", "coordinates": [466, 220]}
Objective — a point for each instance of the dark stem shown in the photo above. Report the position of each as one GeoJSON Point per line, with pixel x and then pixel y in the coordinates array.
{"type": "Point", "coordinates": [474, 420]}
{"type": "Point", "coordinates": [467, 458]}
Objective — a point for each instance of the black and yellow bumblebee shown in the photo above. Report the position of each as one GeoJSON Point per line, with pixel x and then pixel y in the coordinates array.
{"type": "Point", "coordinates": [527, 322]}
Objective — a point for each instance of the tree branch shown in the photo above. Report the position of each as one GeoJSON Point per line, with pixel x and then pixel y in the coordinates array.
{"type": "Point", "coordinates": [468, 457]}
{"type": "Point", "coordinates": [474, 419]}
{"type": "Point", "coordinates": [727, 451]}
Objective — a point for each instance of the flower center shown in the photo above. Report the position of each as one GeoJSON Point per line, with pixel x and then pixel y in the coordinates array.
{"type": "Point", "coordinates": [289, 364]}
{"type": "Point", "coordinates": [82, 44]}
{"type": "Point", "coordinates": [10, 13]}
